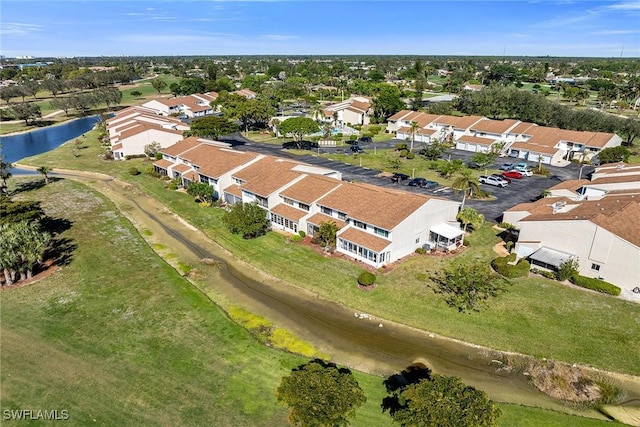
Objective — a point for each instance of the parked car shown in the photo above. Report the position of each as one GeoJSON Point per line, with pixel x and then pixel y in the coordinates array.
{"type": "Point", "coordinates": [365, 139]}
{"type": "Point", "coordinates": [513, 174]}
{"type": "Point", "coordinates": [525, 172]}
{"type": "Point", "coordinates": [492, 180]}
{"type": "Point", "coordinates": [474, 165]}
{"type": "Point", "coordinates": [397, 176]}
{"type": "Point", "coordinates": [356, 149]}
{"type": "Point", "coordinates": [422, 182]}
{"type": "Point", "coordinates": [301, 145]}
{"type": "Point", "coordinates": [501, 177]}
{"type": "Point", "coordinates": [507, 166]}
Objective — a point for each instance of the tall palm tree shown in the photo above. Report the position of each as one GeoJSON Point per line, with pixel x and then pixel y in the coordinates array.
{"type": "Point", "coordinates": [467, 184]}
{"type": "Point", "coordinates": [470, 216]}
{"type": "Point", "coordinates": [44, 170]}
{"type": "Point", "coordinates": [414, 128]}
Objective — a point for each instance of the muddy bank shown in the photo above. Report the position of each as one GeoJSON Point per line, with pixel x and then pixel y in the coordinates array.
{"type": "Point", "coordinates": [352, 338]}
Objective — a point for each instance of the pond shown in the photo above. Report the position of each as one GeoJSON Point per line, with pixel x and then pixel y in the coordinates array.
{"type": "Point", "coordinates": [16, 147]}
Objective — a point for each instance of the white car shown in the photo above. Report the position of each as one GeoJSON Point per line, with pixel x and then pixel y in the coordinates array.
{"type": "Point", "coordinates": [492, 180]}
{"type": "Point", "coordinates": [524, 171]}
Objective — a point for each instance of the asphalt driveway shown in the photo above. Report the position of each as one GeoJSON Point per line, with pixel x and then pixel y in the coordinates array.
{"type": "Point", "coordinates": [519, 191]}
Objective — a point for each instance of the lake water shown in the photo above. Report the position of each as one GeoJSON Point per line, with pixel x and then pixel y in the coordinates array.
{"type": "Point", "coordinates": [19, 146]}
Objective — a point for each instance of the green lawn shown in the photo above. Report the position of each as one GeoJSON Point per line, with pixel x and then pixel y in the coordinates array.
{"type": "Point", "coordinates": [117, 337]}
{"type": "Point", "coordinates": [149, 349]}
{"type": "Point", "coordinates": [555, 315]}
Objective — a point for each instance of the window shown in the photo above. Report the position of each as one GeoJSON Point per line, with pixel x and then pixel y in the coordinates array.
{"type": "Point", "coordinates": [417, 240]}
{"type": "Point", "coordinates": [303, 206]}
{"type": "Point", "coordinates": [326, 211]}
{"type": "Point", "coordinates": [342, 216]}
{"type": "Point", "coordinates": [287, 201]}
{"type": "Point", "coordinates": [261, 201]}
{"type": "Point", "coordinates": [238, 181]}
{"type": "Point", "coordinates": [595, 267]}
{"type": "Point", "coordinates": [381, 232]}
{"type": "Point", "coordinates": [360, 224]}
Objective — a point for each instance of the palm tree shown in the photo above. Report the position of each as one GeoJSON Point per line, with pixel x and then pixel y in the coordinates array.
{"type": "Point", "coordinates": [470, 216]}
{"type": "Point", "coordinates": [414, 128]}
{"type": "Point", "coordinates": [44, 170]}
{"type": "Point", "coordinates": [467, 184]}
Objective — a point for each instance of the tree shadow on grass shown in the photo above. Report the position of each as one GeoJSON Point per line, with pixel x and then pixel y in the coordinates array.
{"type": "Point", "coordinates": [396, 382]}
{"type": "Point", "coordinates": [61, 248]}
{"type": "Point", "coordinates": [32, 185]}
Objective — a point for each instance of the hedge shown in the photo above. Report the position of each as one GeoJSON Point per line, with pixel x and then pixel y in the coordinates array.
{"type": "Point", "coordinates": [521, 269]}
{"type": "Point", "coordinates": [595, 284]}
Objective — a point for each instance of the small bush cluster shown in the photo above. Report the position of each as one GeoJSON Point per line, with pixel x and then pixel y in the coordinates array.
{"type": "Point", "coordinates": [544, 273]}
{"type": "Point", "coordinates": [421, 251]}
{"type": "Point", "coordinates": [366, 279]}
{"type": "Point", "coordinates": [302, 234]}
{"type": "Point", "coordinates": [411, 155]}
{"type": "Point", "coordinates": [595, 284]}
{"type": "Point", "coordinates": [295, 238]}
{"type": "Point", "coordinates": [502, 266]}
{"type": "Point", "coordinates": [133, 171]}
{"type": "Point", "coordinates": [401, 146]}
{"type": "Point", "coordinates": [404, 152]}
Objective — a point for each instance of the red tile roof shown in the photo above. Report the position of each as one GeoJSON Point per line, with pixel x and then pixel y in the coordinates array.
{"type": "Point", "coordinates": [267, 175]}
{"type": "Point", "coordinates": [310, 188]}
{"type": "Point", "coordinates": [317, 218]}
{"type": "Point", "coordinates": [288, 212]}
{"type": "Point", "coordinates": [162, 163]}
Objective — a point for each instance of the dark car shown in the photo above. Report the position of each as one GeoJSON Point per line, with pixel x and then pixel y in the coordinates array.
{"type": "Point", "coordinates": [356, 149]}
{"type": "Point", "coordinates": [422, 182]}
{"type": "Point", "coordinates": [397, 176]}
{"type": "Point", "coordinates": [365, 139]}
{"type": "Point", "coordinates": [301, 145]}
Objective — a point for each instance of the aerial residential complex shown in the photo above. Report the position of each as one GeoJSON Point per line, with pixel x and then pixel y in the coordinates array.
{"type": "Point", "coordinates": [377, 226]}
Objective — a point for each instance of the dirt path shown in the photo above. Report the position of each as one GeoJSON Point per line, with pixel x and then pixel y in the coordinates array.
{"type": "Point", "coordinates": [352, 338]}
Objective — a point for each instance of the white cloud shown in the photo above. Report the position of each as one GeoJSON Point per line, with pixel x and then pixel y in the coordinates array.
{"type": "Point", "coordinates": [628, 5]}
{"type": "Point", "coordinates": [614, 32]}
{"type": "Point", "coordinates": [19, 29]}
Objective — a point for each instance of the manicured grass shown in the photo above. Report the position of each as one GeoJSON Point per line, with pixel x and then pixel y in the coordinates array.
{"type": "Point", "coordinates": [117, 337]}
{"type": "Point", "coordinates": [537, 316]}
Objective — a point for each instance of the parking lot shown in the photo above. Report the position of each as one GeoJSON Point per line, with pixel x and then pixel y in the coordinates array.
{"type": "Point", "coordinates": [519, 191]}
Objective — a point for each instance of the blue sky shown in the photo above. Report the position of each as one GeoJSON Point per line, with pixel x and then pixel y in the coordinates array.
{"type": "Point", "coordinates": [185, 27]}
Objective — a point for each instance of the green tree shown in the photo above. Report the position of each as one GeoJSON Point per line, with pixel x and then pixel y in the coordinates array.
{"type": "Point", "coordinates": [26, 111]}
{"type": "Point", "coordinates": [444, 402]}
{"type": "Point", "coordinates": [201, 191]}
{"type": "Point", "coordinates": [22, 246]}
{"type": "Point", "coordinates": [470, 216]}
{"type": "Point", "coordinates": [16, 211]}
{"type": "Point", "coordinates": [150, 150]}
{"type": "Point", "coordinates": [136, 93]}
{"type": "Point", "coordinates": [466, 183]}
{"type": "Point", "coordinates": [44, 171]}
{"type": "Point", "coordinates": [449, 168]}
{"type": "Point", "coordinates": [467, 284]}
{"type": "Point", "coordinates": [250, 112]}
{"type": "Point", "coordinates": [386, 102]}
{"type": "Point", "coordinates": [326, 234]}
{"type": "Point", "coordinates": [434, 151]}
{"type": "Point", "coordinates": [319, 394]}
{"type": "Point", "coordinates": [614, 155]}
{"type": "Point", "coordinates": [247, 219]}
{"type": "Point", "coordinates": [5, 174]}
{"type": "Point", "coordinates": [298, 127]}
{"type": "Point", "coordinates": [414, 129]}
{"type": "Point", "coordinates": [211, 127]}
{"type": "Point", "coordinates": [483, 159]}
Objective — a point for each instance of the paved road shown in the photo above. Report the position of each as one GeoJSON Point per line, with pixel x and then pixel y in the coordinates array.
{"type": "Point", "coordinates": [519, 191]}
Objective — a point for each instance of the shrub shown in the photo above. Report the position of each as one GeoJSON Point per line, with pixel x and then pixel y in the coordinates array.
{"type": "Point", "coordinates": [366, 279]}
{"type": "Point", "coordinates": [352, 137]}
{"type": "Point", "coordinates": [375, 129]}
{"type": "Point", "coordinates": [295, 238]}
{"type": "Point", "coordinates": [158, 156]}
{"type": "Point", "coordinates": [544, 273]}
{"type": "Point", "coordinates": [134, 171]}
{"type": "Point", "coordinates": [302, 233]}
{"type": "Point", "coordinates": [411, 155]}
{"type": "Point", "coordinates": [403, 153]}
{"type": "Point", "coordinates": [595, 284]}
{"type": "Point", "coordinates": [567, 269]}
{"type": "Point", "coordinates": [541, 170]}
{"type": "Point", "coordinates": [421, 251]}
{"type": "Point", "coordinates": [401, 146]}
{"type": "Point", "coordinates": [465, 242]}
{"type": "Point", "coordinates": [502, 266]}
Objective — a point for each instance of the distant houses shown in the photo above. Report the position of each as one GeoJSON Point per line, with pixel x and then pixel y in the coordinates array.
{"type": "Point", "coordinates": [353, 111]}
{"type": "Point", "coordinates": [377, 226]}
{"type": "Point", "coordinates": [195, 105]}
{"type": "Point", "coordinates": [508, 137]}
